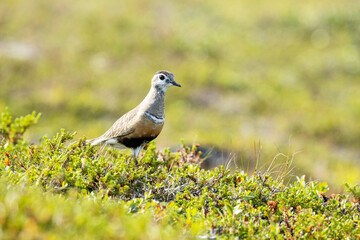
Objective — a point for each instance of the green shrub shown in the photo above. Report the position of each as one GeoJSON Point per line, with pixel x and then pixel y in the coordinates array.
{"type": "Point", "coordinates": [28, 213]}
{"type": "Point", "coordinates": [97, 192]}
{"type": "Point", "coordinates": [13, 131]}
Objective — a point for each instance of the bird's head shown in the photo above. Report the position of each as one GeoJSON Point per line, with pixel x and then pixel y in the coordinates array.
{"type": "Point", "coordinates": [162, 80]}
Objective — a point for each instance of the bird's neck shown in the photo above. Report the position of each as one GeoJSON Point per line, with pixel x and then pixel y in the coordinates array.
{"type": "Point", "coordinates": [154, 102]}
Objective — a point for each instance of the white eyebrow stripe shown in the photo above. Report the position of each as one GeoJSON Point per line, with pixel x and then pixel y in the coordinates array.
{"type": "Point", "coordinates": [154, 118]}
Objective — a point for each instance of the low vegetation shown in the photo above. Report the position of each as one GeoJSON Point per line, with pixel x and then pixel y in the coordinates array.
{"type": "Point", "coordinates": [286, 73]}
{"type": "Point", "coordinates": [63, 188]}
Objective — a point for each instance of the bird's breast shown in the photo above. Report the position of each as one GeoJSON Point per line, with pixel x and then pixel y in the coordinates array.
{"type": "Point", "coordinates": [145, 130]}
{"type": "Point", "coordinates": [148, 128]}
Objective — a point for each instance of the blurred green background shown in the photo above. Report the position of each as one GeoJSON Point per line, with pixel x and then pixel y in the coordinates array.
{"type": "Point", "coordinates": [285, 73]}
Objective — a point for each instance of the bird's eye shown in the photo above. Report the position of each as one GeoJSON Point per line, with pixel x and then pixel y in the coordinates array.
{"type": "Point", "coordinates": [162, 77]}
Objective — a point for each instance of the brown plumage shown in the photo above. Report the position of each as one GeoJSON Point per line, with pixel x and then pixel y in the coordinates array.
{"type": "Point", "coordinates": [143, 123]}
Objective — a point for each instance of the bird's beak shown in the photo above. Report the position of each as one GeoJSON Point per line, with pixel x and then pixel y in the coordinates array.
{"type": "Point", "coordinates": [175, 84]}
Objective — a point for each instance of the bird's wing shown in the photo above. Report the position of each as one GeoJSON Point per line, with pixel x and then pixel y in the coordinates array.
{"type": "Point", "coordinates": [123, 126]}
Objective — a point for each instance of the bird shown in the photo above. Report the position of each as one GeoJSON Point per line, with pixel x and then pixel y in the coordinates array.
{"type": "Point", "coordinates": [142, 124]}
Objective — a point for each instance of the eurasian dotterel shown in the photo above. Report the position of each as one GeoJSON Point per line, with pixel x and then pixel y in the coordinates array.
{"type": "Point", "coordinates": [142, 124]}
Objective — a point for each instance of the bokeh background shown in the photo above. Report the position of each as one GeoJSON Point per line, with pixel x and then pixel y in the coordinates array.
{"type": "Point", "coordinates": [282, 73]}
